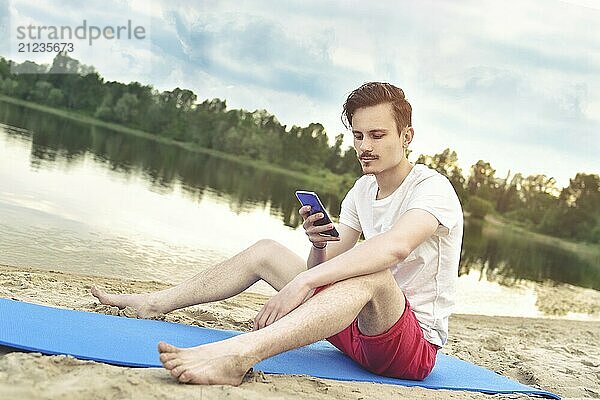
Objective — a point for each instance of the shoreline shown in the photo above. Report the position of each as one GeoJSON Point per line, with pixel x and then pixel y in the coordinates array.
{"type": "Point", "coordinates": [324, 180]}
{"type": "Point", "coordinates": [555, 355]}
{"type": "Point", "coordinates": [321, 181]}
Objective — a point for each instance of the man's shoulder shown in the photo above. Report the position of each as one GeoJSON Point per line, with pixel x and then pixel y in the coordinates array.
{"type": "Point", "coordinates": [364, 183]}
{"type": "Point", "coordinates": [430, 177]}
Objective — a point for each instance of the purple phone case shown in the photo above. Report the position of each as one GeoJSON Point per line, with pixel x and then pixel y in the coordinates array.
{"type": "Point", "coordinates": [312, 200]}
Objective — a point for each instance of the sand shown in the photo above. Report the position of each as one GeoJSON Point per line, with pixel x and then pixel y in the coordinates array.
{"type": "Point", "coordinates": [557, 355]}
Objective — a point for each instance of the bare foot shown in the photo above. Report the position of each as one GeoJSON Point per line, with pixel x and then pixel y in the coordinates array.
{"type": "Point", "coordinates": [144, 304]}
{"type": "Point", "coordinates": [219, 363]}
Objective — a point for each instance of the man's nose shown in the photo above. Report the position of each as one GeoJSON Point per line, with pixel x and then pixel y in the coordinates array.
{"type": "Point", "coordinates": [366, 145]}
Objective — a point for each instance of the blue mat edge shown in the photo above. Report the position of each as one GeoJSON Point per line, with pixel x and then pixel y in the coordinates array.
{"type": "Point", "coordinates": [77, 356]}
{"type": "Point", "coordinates": [135, 365]}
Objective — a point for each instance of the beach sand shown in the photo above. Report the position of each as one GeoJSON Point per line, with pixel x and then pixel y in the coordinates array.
{"type": "Point", "coordinates": [556, 355]}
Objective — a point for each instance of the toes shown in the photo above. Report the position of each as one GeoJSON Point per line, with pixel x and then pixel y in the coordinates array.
{"type": "Point", "coordinates": [164, 357]}
{"type": "Point", "coordinates": [99, 294]}
{"type": "Point", "coordinates": [175, 372]}
{"type": "Point", "coordinates": [172, 363]}
{"type": "Point", "coordinates": [167, 348]}
{"type": "Point", "coordinates": [170, 360]}
{"type": "Point", "coordinates": [185, 377]}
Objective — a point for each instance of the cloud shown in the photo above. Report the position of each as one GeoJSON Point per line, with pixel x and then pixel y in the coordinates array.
{"type": "Point", "coordinates": [481, 76]}
{"type": "Point", "coordinates": [253, 50]}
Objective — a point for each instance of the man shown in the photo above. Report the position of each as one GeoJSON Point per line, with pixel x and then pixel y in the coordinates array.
{"type": "Point", "coordinates": [384, 302]}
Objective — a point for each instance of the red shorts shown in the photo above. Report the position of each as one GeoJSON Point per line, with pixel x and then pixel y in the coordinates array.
{"type": "Point", "coordinates": [400, 352]}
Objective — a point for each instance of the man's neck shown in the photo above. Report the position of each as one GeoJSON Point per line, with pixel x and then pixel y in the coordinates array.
{"type": "Point", "coordinates": [390, 180]}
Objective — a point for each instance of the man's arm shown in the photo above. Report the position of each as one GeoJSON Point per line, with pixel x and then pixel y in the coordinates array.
{"type": "Point", "coordinates": [373, 255]}
{"type": "Point", "coordinates": [348, 238]}
{"type": "Point", "coordinates": [377, 253]}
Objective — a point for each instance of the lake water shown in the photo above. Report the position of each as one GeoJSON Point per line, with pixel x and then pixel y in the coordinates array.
{"type": "Point", "coordinates": [79, 198]}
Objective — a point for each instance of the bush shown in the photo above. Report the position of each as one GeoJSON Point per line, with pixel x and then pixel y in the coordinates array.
{"type": "Point", "coordinates": [479, 207]}
{"type": "Point", "coordinates": [521, 217]}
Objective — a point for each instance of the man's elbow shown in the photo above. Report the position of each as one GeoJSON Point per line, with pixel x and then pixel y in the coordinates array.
{"type": "Point", "coordinates": [400, 252]}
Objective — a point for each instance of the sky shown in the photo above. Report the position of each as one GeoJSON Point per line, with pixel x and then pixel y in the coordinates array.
{"type": "Point", "coordinates": [514, 83]}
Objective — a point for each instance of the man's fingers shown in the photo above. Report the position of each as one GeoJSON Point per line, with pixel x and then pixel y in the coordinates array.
{"type": "Point", "coordinates": [315, 217]}
{"type": "Point", "coordinates": [311, 219]}
{"type": "Point", "coordinates": [328, 238]}
{"type": "Point", "coordinates": [264, 315]}
{"type": "Point", "coordinates": [304, 211]}
{"type": "Point", "coordinates": [309, 295]}
{"type": "Point", "coordinates": [258, 318]}
{"type": "Point", "coordinates": [272, 318]}
{"type": "Point", "coordinates": [259, 322]}
{"type": "Point", "coordinates": [316, 229]}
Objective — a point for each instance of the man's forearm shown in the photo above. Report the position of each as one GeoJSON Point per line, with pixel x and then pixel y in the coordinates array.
{"type": "Point", "coordinates": [371, 256]}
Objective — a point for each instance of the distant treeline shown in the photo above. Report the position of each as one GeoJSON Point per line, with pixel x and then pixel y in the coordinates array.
{"type": "Point", "coordinates": [533, 202]}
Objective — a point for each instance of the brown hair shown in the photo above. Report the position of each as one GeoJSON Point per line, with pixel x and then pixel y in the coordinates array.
{"type": "Point", "coordinates": [374, 93]}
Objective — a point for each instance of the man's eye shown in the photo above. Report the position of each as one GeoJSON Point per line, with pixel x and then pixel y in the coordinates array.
{"type": "Point", "coordinates": [358, 137]}
{"type": "Point", "coordinates": [377, 136]}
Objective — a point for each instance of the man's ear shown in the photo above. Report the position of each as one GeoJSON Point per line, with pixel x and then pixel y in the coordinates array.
{"type": "Point", "coordinates": [409, 132]}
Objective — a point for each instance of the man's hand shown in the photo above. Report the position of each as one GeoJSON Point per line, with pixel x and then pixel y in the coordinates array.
{"type": "Point", "coordinates": [291, 296]}
{"type": "Point", "coordinates": [313, 231]}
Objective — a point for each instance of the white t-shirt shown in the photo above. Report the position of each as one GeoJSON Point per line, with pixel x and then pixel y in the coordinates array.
{"type": "Point", "coordinates": [428, 275]}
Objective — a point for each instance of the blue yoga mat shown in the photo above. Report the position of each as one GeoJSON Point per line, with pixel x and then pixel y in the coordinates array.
{"type": "Point", "coordinates": [132, 342]}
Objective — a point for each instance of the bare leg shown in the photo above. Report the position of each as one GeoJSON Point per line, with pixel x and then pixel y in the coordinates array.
{"type": "Point", "coordinates": [266, 260]}
{"type": "Point", "coordinates": [323, 315]}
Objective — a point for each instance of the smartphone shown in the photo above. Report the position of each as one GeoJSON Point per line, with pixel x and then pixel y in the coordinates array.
{"type": "Point", "coordinates": [311, 199]}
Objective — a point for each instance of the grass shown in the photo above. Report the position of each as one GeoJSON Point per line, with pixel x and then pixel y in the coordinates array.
{"type": "Point", "coordinates": [323, 180]}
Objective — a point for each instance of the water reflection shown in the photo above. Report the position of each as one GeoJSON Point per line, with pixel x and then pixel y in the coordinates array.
{"type": "Point", "coordinates": [507, 257]}
{"type": "Point", "coordinates": [501, 255]}
{"type": "Point", "coordinates": [164, 166]}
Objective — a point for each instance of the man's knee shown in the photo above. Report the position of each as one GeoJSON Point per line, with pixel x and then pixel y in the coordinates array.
{"type": "Point", "coordinates": [263, 251]}
{"type": "Point", "coordinates": [269, 247]}
{"type": "Point", "coordinates": [275, 263]}
{"type": "Point", "coordinates": [385, 306]}
{"type": "Point", "coordinates": [265, 244]}
{"type": "Point", "coordinates": [270, 253]}
{"type": "Point", "coordinates": [377, 281]}
{"type": "Point", "coordinates": [374, 284]}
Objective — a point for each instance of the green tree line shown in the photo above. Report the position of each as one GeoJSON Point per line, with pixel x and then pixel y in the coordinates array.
{"type": "Point", "coordinates": [177, 115]}
{"type": "Point", "coordinates": [533, 202]}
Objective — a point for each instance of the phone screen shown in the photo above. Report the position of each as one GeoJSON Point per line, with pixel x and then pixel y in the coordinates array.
{"type": "Point", "coordinates": [311, 199]}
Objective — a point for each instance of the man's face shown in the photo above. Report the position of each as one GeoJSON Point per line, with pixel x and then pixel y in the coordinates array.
{"type": "Point", "coordinates": [376, 140]}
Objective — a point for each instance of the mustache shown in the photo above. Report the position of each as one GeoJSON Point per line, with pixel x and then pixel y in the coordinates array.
{"type": "Point", "coordinates": [366, 154]}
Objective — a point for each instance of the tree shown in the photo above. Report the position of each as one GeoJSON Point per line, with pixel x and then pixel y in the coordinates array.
{"type": "Point", "coordinates": [536, 196]}
{"type": "Point", "coordinates": [180, 99]}
{"type": "Point", "coordinates": [334, 157]}
{"type": "Point", "coordinates": [508, 193]}
{"type": "Point", "coordinates": [29, 67]}
{"type": "Point", "coordinates": [216, 106]}
{"type": "Point", "coordinates": [349, 163]}
{"type": "Point", "coordinates": [41, 91]}
{"type": "Point", "coordinates": [63, 64]}
{"type": "Point", "coordinates": [126, 107]}
{"type": "Point", "coordinates": [56, 98]}
{"type": "Point", "coordinates": [446, 163]}
{"type": "Point", "coordinates": [479, 207]}
{"type": "Point", "coordinates": [583, 192]}
{"type": "Point", "coordinates": [5, 66]}
{"type": "Point", "coordinates": [577, 215]}
{"type": "Point", "coordinates": [481, 180]}
{"type": "Point", "coordinates": [10, 87]}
